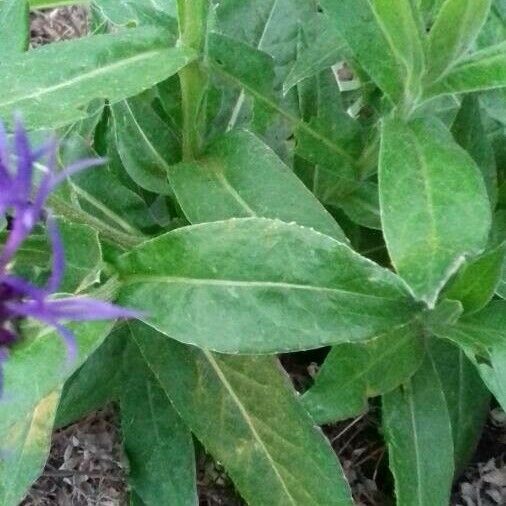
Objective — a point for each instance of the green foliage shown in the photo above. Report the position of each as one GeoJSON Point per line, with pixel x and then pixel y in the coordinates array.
{"type": "Point", "coordinates": [281, 177]}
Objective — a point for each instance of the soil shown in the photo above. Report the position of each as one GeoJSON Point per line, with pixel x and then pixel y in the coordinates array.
{"type": "Point", "coordinates": [86, 466]}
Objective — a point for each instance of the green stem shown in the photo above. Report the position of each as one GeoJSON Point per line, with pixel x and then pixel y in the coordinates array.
{"type": "Point", "coordinates": [193, 29]}
{"type": "Point", "coordinates": [109, 233]}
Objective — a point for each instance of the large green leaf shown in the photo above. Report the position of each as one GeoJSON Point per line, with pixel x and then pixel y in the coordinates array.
{"type": "Point", "coordinates": [384, 37]}
{"type": "Point", "coordinates": [260, 286]}
{"type": "Point", "coordinates": [157, 443]}
{"type": "Point", "coordinates": [455, 28]}
{"type": "Point", "coordinates": [239, 176]}
{"type": "Point", "coordinates": [14, 28]}
{"type": "Point", "coordinates": [429, 186]}
{"type": "Point", "coordinates": [419, 435]}
{"type": "Point", "coordinates": [353, 372]}
{"type": "Point", "coordinates": [145, 144]}
{"type": "Point", "coordinates": [246, 414]}
{"type": "Point", "coordinates": [467, 398]}
{"type": "Point", "coordinates": [24, 448]}
{"type": "Point", "coordinates": [483, 70]}
{"type": "Point", "coordinates": [112, 66]}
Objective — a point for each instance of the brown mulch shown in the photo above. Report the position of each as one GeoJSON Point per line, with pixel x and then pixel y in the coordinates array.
{"type": "Point", "coordinates": [87, 468]}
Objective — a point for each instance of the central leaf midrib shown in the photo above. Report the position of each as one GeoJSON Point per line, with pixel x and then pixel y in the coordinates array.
{"type": "Point", "coordinates": [36, 95]}
{"type": "Point", "coordinates": [147, 278]}
{"type": "Point", "coordinates": [249, 422]}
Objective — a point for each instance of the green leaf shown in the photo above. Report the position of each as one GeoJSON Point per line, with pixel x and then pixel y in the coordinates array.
{"type": "Point", "coordinates": [362, 205]}
{"type": "Point", "coordinates": [252, 71]}
{"type": "Point", "coordinates": [271, 26]}
{"type": "Point", "coordinates": [493, 372]}
{"type": "Point", "coordinates": [326, 50]}
{"type": "Point", "coordinates": [14, 28]}
{"type": "Point", "coordinates": [95, 383]}
{"type": "Point", "coordinates": [479, 332]}
{"type": "Point", "coordinates": [100, 66]}
{"type": "Point", "coordinates": [239, 176]}
{"type": "Point", "coordinates": [259, 422]}
{"type": "Point", "coordinates": [418, 432]}
{"type": "Point", "coordinates": [475, 283]}
{"type": "Point", "coordinates": [353, 372]}
{"type": "Point", "coordinates": [37, 366]}
{"type": "Point", "coordinates": [24, 449]}
{"type": "Point", "coordinates": [467, 398]}
{"type": "Point", "coordinates": [157, 443]}
{"type": "Point", "coordinates": [260, 286]}
{"type": "Point", "coordinates": [470, 133]}
{"type": "Point", "coordinates": [483, 70]}
{"type": "Point", "coordinates": [100, 193]}
{"type": "Point", "coordinates": [429, 186]}
{"type": "Point", "coordinates": [83, 256]}
{"type": "Point", "coordinates": [384, 37]}
{"type": "Point", "coordinates": [134, 12]}
{"type": "Point", "coordinates": [455, 28]}
{"type": "Point", "coordinates": [145, 144]}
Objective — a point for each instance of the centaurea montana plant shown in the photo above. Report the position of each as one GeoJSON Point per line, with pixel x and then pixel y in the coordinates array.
{"type": "Point", "coordinates": [23, 198]}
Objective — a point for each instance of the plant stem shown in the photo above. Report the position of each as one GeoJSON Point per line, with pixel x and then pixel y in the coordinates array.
{"type": "Point", "coordinates": [193, 29]}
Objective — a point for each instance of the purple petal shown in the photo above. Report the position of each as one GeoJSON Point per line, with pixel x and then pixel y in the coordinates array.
{"type": "Point", "coordinates": [85, 309]}
{"type": "Point", "coordinates": [23, 287]}
{"type": "Point", "coordinates": [24, 160]}
{"type": "Point", "coordinates": [4, 355]}
{"type": "Point", "coordinates": [70, 309]}
{"type": "Point", "coordinates": [75, 168]}
{"type": "Point", "coordinates": [70, 342]}
{"type": "Point", "coordinates": [58, 260]}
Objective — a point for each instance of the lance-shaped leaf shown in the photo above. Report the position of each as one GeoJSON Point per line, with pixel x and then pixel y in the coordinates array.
{"type": "Point", "coordinates": [24, 448]}
{"type": "Point", "coordinates": [239, 176]}
{"type": "Point", "coordinates": [419, 435]}
{"type": "Point", "coordinates": [483, 70]}
{"type": "Point", "coordinates": [145, 144]}
{"type": "Point", "coordinates": [258, 422]}
{"type": "Point", "coordinates": [385, 39]}
{"type": "Point", "coordinates": [14, 28]}
{"type": "Point", "coordinates": [260, 286]}
{"type": "Point", "coordinates": [112, 66]}
{"type": "Point", "coordinates": [157, 443]}
{"type": "Point", "coordinates": [467, 398]}
{"type": "Point", "coordinates": [455, 28]}
{"type": "Point", "coordinates": [353, 372]}
{"type": "Point", "coordinates": [429, 186]}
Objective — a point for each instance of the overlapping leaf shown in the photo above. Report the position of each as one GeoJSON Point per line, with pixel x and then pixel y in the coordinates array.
{"type": "Point", "coordinates": [260, 433]}
{"type": "Point", "coordinates": [239, 286]}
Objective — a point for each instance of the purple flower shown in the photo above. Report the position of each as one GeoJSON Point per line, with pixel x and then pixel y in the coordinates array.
{"type": "Point", "coordinates": [24, 200]}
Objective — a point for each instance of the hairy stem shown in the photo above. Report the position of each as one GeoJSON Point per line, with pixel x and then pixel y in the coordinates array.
{"type": "Point", "coordinates": [193, 78]}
